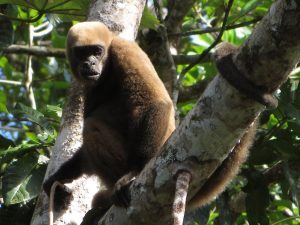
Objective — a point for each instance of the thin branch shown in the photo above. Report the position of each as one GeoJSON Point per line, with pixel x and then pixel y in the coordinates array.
{"type": "Point", "coordinates": [192, 92]}
{"type": "Point", "coordinates": [215, 29]}
{"type": "Point", "coordinates": [164, 35]}
{"type": "Point", "coordinates": [34, 50]}
{"type": "Point", "coordinates": [60, 53]}
{"type": "Point", "coordinates": [188, 59]}
{"type": "Point", "coordinates": [14, 129]}
{"type": "Point", "coordinates": [40, 27]}
{"type": "Point", "coordinates": [206, 51]}
{"type": "Point", "coordinates": [29, 73]}
{"type": "Point", "coordinates": [177, 10]}
{"type": "Point", "coordinates": [58, 4]}
{"type": "Point", "coordinates": [11, 82]}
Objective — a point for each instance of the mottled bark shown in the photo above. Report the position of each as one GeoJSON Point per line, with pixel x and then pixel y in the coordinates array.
{"type": "Point", "coordinates": [217, 122]}
{"type": "Point", "coordinates": [123, 17]}
{"type": "Point", "coordinates": [154, 44]}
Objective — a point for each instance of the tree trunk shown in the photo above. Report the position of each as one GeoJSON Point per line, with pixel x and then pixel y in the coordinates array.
{"type": "Point", "coordinates": [217, 122]}
{"type": "Point", "coordinates": [122, 17]}
{"type": "Point", "coordinates": [207, 134]}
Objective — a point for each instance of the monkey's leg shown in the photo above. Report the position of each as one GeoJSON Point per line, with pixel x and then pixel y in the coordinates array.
{"type": "Point", "coordinates": [68, 171]}
{"type": "Point", "coordinates": [120, 195]}
{"type": "Point", "coordinates": [147, 136]}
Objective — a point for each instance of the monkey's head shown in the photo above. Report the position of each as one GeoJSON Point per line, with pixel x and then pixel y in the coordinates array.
{"type": "Point", "coordinates": [87, 50]}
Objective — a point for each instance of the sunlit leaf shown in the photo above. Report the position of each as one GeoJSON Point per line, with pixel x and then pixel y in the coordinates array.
{"type": "Point", "coordinates": [22, 179]}
{"type": "Point", "coordinates": [149, 20]}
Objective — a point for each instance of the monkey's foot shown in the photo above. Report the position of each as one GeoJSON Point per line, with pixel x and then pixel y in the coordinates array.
{"type": "Point", "coordinates": [121, 196]}
{"type": "Point", "coordinates": [62, 197]}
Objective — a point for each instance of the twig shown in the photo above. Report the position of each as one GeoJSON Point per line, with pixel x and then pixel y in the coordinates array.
{"type": "Point", "coordinates": [164, 35]}
{"type": "Point", "coordinates": [59, 4]}
{"type": "Point", "coordinates": [206, 51]}
{"type": "Point", "coordinates": [188, 59]}
{"type": "Point", "coordinates": [60, 53]}
{"type": "Point", "coordinates": [11, 82]}
{"type": "Point", "coordinates": [215, 29]}
{"type": "Point", "coordinates": [192, 92]}
{"type": "Point", "coordinates": [29, 73]}
{"type": "Point", "coordinates": [34, 50]}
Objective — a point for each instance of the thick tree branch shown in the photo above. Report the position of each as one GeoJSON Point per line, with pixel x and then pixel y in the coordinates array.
{"type": "Point", "coordinates": [154, 46]}
{"type": "Point", "coordinates": [166, 44]}
{"type": "Point", "coordinates": [216, 123]}
{"type": "Point", "coordinates": [214, 29]}
{"type": "Point", "coordinates": [177, 10]}
{"type": "Point", "coordinates": [60, 53]}
{"type": "Point", "coordinates": [216, 41]}
{"type": "Point", "coordinates": [123, 17]}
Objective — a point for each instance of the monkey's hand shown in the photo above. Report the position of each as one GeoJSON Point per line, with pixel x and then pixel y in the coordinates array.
{"type": "Point", "coordinates": [62, 194]}
{"type": "Point", "coordinates": [121, 196]}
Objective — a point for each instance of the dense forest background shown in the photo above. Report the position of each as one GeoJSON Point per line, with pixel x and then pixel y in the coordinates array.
{"type": "Point", "coordinates": [34, 81]}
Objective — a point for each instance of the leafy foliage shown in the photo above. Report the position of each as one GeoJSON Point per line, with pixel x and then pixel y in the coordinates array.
{"type": "Point", "coordinates": [269, 184]}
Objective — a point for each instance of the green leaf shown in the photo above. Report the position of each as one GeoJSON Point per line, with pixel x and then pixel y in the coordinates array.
{"type": "Point", "coordinates": [54, 111]}
{"type": "Point", "coordinates": [15, 2]}
{"type": "Point", "coordinates": [149, 20]}
{"type": "Point", "coordinates": [22, 180]}
{"type": "Point", "coordinates": [36, 117]}
{"type": "Point", "coordinates": [3, 108]}
{"type": "Point", "coordinates": [12, 151]}
{"type": "Point", "coordinates": [3, 102]}
{"type": "Point", "coordinates": [249, 6]}
{"type": "Point", "coordinates": [69, 10]}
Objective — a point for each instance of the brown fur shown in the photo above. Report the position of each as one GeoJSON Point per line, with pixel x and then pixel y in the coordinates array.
{"type": "Point", "coordinates": [218, 181]}
{"type": "Point", "coordinates": [128, 117]}
{"type": "Point", "coordinates": [230, 166]}
{"type": "Point", "coordinates": [128, 112]}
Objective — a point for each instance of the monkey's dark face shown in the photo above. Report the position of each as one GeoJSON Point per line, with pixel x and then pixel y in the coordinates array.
{"type": "Point", "coordinates": [88, 61]}
{"type": "Point", "coordinates": [87, 50]}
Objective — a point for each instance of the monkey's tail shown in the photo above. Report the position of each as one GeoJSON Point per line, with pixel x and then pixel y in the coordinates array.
{"type": "Point", "coordinates": [51, 201]}
{"type": "Point", "coordinates": [225, 172]}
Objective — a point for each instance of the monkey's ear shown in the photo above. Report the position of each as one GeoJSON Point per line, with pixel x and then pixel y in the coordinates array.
{"type": "Point", "coordinates": [223, 49]}
{"type": "Point", "coordinates": [128, 57]}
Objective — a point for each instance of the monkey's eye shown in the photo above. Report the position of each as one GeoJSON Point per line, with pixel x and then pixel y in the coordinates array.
{"type": "Point", "coordinates": [98, 50]}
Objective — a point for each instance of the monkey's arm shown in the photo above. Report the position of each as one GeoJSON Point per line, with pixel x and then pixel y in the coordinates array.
{"type": "Point", "coordinates": [68, 171]}
{"type": "Point", "coordinates": [150, 108]}
{"type": "Point", "coordinates": [146, 140]}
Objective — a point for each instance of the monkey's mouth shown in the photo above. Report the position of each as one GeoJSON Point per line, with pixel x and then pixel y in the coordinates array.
{"type": "Point", "coordinates": [90, 75]}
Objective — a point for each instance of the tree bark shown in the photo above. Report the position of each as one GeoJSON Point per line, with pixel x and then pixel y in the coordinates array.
{"type": "Point", "coordinates": [207, 134]}
{"type": "Point", "coordinates": [217, 122]}
{"type": "Point", "coordinates": [122, 17]}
